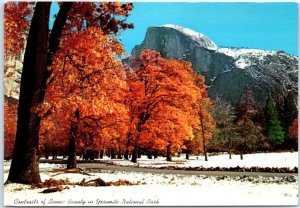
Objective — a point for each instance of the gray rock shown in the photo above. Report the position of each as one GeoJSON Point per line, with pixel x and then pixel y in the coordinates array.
{"type": "Point", "coordinates": [228, 71]}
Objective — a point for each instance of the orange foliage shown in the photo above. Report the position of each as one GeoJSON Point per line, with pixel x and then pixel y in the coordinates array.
{"type": "Point", "coordinates": [86, 73]}
{"type": "Point", "coordinates": [294, 130]}
{"type": "Point", "coordinates": [10, 126]}
{"type": "Point", "coordinates": [203, 132]}
{"type": "Point", "coordinates": [104, 15]}
{"type": "Point", "coordinates": [87, 76]}
{"type": "Point", "coordinates": [163, 102]}
{"type": "Point", "coordinates": [16, 23]}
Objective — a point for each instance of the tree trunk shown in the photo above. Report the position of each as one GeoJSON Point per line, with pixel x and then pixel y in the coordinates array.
{"type": "Point", "coordinates": [169, 156]}
{"type": "Point", "coordinates": [155, 154]}
{"type": "Point", "coordinates": [149, 156]}
{"type": "Point", "coordinates": [230, 156]}
{"type": "Point", "coordinates": [187, 156]}
{"type": "Point", "coordinates": [24, 167]}
{"type": "Point", "coordinates": [112, 153]}
{"type": "Point", "coordinates": [205, 154]}
{"type": "Point", "coordinates": [96, 154]}
{"type": "Point", "coordinates": [242, 153]}
{"type": "Point", "coordinates": [126, 154]}
{"type": "Point", "coordinates": [101, 154]}
{"type": "Point", "coordinates": [134, 154]}
{"type": "Point", "coordinates": [54, 38]}
{"type": "Point", "coordinates": [139, 153]}
{"type": "Point", "coordinates": [120, 154]}
{"type": "Point", "coordinates": [136, 150]}
{"type": "Point", "coordinates": [203, 138]}
{"type": "Point", "coordinates": [54, 154]}
{"type": "Point", "coordinates": [47, 152]}
{"type": "Point", "coordinates": [72, 163]}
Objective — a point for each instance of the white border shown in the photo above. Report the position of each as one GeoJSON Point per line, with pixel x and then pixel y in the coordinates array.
{"type": "Point", "coordinates": [2, 62]}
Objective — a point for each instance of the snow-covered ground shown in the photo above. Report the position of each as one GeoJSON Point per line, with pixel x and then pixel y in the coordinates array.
{"type": "Point", "coordinates": [164, 189]}
{"type": "Point", "coordinates": [280, 160]}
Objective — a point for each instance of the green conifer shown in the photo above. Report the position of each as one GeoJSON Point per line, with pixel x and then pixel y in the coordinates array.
{"type": "Point", "coordinates": [274, 129]}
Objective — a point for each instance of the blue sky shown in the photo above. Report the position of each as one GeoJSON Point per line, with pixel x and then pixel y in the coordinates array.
{"type": "Point", "coordinates": [270, 26]}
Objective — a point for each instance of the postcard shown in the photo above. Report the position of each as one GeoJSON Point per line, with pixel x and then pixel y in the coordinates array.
{"type": "Point", "coordinates": [150, 103]}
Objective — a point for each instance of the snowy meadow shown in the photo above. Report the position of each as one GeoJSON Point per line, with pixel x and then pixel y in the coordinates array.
{"type": "Point", "coordinates": [159, 189]}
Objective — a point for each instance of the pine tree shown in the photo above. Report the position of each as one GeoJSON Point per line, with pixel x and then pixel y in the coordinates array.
{"type": "Point", "coordinates": [249, 136]}
{"type": "Point", "coordinates": [273, 125]}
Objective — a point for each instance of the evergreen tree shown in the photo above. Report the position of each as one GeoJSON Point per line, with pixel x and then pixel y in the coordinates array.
{"type": "Point", "coordinates": [273, 125]}
{"type": "Point", "coordinates": [249, 136]}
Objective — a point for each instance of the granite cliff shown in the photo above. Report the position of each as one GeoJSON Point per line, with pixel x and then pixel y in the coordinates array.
{"type": "Point", "coordinates": [229, 71]}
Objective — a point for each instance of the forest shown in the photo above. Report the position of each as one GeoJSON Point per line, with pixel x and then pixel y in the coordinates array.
{"type": "Point", "coordinates": [78, 98]}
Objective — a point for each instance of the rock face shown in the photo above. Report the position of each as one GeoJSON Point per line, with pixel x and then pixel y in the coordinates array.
{"type": "Point", "coordinates": [228, 71]}
{"type": "Point", "coordinates": [12, 76]}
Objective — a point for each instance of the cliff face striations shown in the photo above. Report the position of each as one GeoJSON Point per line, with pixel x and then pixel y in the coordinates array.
{"type": "Point", "coordinates": [229, 71]}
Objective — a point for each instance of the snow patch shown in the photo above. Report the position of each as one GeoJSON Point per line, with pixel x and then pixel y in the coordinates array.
{"type": "Point", "coordinates": [274, 160]}
{"type": "Point", "coordinates": [237, 52]}
{"type": "Point", "coordinates": [242, 63]}
{"type": "Point", "coordinates": [244, 56]}
{"type": "Point", "coordinates": [213, 79]}
{"type": "Point", "coordinates": [199, 38]}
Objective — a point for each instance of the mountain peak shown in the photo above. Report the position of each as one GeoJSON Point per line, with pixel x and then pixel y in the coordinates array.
{"type": "Point", "coordinates": [229, 72]}
{"type": "Point", "coordinates": [199, 38]}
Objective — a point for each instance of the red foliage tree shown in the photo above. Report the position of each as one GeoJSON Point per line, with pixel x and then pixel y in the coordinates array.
{"type": "Point", "coordinates": [162, 100]}
{"type": "Point", "coordinates": [88, 79]}
{"type": "Point", "coordinates": [16, 21]}
{"type": "Point", "coordinates": [204, 131]}
{"type": "Point", "coordinates": [10, 126]}
{"type": "Point", "coordinates": [40, 49]}
{"type": "Point", "coordinates": [294, 130]}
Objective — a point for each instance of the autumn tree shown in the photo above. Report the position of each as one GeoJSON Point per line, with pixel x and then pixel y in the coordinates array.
{"type": "Point", "coordinates": [24, 167]}
{"type": "Point", "coordinates": [54, 132]}
{"type": "Point", "coordinates": [207, 124]}
{"type": "Point", "coordinates": [10, 125]}
{"type": "Point", "coordinates": [163, 96]}
{"type": "Point", "coordinates": [88, 82]}
{"type": "Point", "coordinates": [293, 130]}
{"type": "Point", "coordinates": [249, 133]}
{"type": "Point", "coordinates": [204, 131]}
{"type": "Point", "coordinates": [224, 136]}
{"type": "Point", "coordinates": [17, 21]}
